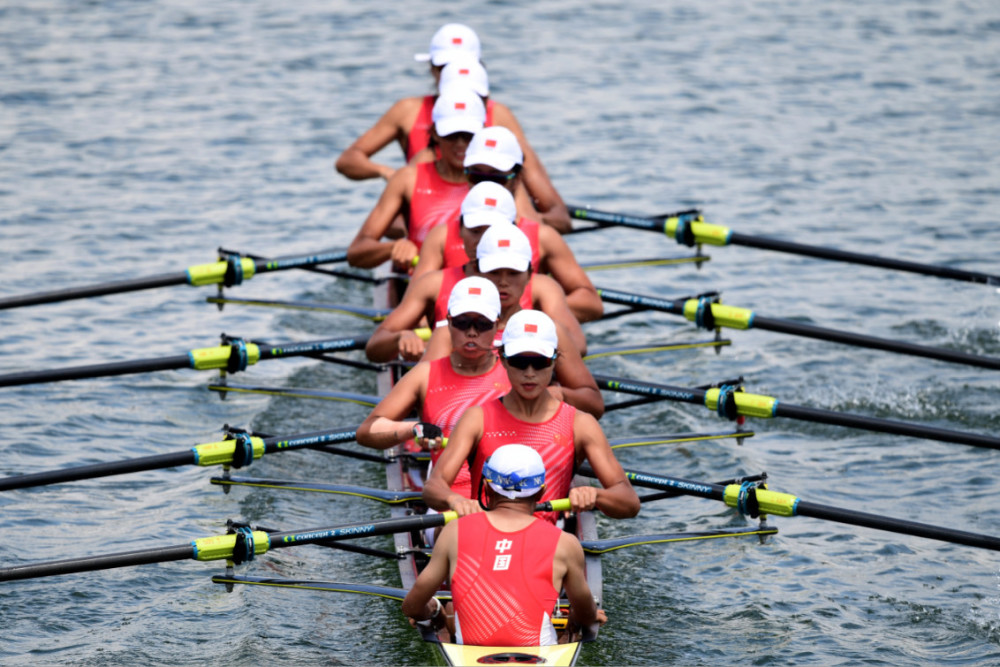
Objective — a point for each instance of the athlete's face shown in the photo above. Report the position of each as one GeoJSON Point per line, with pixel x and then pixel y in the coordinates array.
{"type": "Point", "coordinates": [470, 237]}
{"type": "Point", "coordinates": [472, 335]}
{"type": "Point", "coordinates": [529, 374]}
{"type": "Point", "coordinates": [510, 283]}
{"type": "Point", "coordinates": [453, 147]}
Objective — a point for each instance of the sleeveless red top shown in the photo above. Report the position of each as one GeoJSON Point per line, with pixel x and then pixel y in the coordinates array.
{"type": "Point", "coordinates": [420, 134]}
{"type": "Point", "coordinates": [452, 275]}
{"type": "Point", "coordinates": [552, 439]}
{"type": "Point", "coordinates": [454, 249]}
{"type": "Point", "coordinates": [502, 587]}
{"type": "Point", "coordinates": [449, 395]}
{"type": "Point", "coordinates": [434, 202]}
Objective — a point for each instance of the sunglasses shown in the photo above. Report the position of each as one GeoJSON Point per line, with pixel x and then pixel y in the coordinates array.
{"type": "Point", "coordinates": [476, 177]}
{"type": "Point", "coordinates": [466, 322]}
{"type": "Point", "coordinates": [522, 361]}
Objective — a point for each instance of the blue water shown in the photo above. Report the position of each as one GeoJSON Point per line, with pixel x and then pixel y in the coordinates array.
{"type": "Point", "coordinates": [135, 138]}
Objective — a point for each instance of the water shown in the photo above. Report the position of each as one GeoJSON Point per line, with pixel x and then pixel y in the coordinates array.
{"type": "Point", "coordinates": [135, 138]}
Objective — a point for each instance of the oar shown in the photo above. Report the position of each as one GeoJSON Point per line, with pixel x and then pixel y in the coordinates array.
{"type": "Point", "coordinates": [708, 314]}
{"type": "Point", "coordinates": [367, 492]}
{"type": "Point", "coordinates": [687, 228]}
{"type": "Point", "coordinates": [238, 451]}
{"type": "Point", "coordinates": [371, 314]}
{"type": "Point", "coordinates": [234, 356]}
{"type": "Point", "coordinates": [240, 546]}
{"type": "Point", "coordinates": [731, 403]}
{"type": "Point", "coordinates": [230, 271]}
{"type": "Point", "coordinates": [368, 400]}
{"type": "Point", "coordinates": [755, 501]}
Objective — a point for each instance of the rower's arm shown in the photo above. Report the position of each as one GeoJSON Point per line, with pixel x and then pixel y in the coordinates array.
{"type": "Point", "coordinates": [418, 604]}
{"type": "Point", "coordinates": [616, 498]}
{"type": "Point", "coordinates": [544, 195]}
{"type": "Point", "coordinates": [367, 250]}
{"type": "Point", "coordinates": [437, 489]}
{"type": "Point", "coordinates": [394, 335]}
{"type": "Point", "coordinates": [432, 251]}
{"type": "Point", "coordinates": [581, 295]}
{"type": "Point", "coordinates": [582, 608]}
{"type": "Point", "coordinates": [549, 298]}
{"type": "Point", "coordinates": [385, 426]}
{"type": "Point", "coordinates": [576, 384]}
{"type": "Point", "coordinates": [355, 162]}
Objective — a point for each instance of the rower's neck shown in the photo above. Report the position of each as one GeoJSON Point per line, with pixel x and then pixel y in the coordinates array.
{"type": "Point", "coordinates": [464, 366]}
{"type": "Point", "coordinates": [533, 410]}
{"type": "Point", "coordinates": [449, 173]}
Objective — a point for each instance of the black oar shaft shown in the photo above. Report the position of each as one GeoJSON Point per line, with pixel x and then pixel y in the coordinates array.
{"type": "Point", "coordinates": [901, 526]}
{"type": "Point", "coordinates": [96, 370]}
{"type": "Point", "coordinates": [156, 462]}
{"type": "Point", "coordinates": [873, 342]}
{"type": "Point", "coordinates": [116, 287]}
{"type": "Point", "coordinates": [879, 425]}
{"type": "Point", "coordinates": [91, 563]}
{"type": "Point", "coordinates": [819, 252]}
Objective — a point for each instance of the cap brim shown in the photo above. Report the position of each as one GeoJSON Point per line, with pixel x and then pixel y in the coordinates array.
{"type": "Point", "coordinates": [447, 126]}
{"type": "Point", "coordinates": [532, 345]}
{"type": "Point", "coordinates": [464, 309]}
{"type": "Point", "coordinates": [484, 219]}
{"type": "Point", "coordinates": [501, 162]}
{"type": "Point", "coordinates": [523, 493]}
{"type": "Point", "coordinates": [501, 260]}
{"type": "Point", "coordinates": [422, 57]}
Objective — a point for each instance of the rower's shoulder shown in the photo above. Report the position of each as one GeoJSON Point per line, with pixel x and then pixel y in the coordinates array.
{"type": "Point", "coordinates": [405, 107]}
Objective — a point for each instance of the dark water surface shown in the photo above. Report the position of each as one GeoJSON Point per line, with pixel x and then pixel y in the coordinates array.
{"type": "Point", "coordinates": [137, 137]}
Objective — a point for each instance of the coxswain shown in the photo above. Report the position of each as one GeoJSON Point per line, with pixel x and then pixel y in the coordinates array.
{"type": "Point", "coordinates": [494, 156]}
{"type": "Point", "coordinates": [505, 558]}
{"type": "Point", "coordinates": [425, 194]}
{"type": "Point", "coordinates": [532, 415]}
{"type": "Point", "coordinates": [408, 121]}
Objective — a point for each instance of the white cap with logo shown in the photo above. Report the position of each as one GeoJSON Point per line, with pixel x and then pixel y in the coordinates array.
{"type": "Point", "coordinates": [488, 203]}
{"type": "Point", "coordinates": [450, 40]}
{"type": "Point", "coordinates": [503, 247]}
{"type": "Point", "coordinates": [515, 471]}
{"type": "Point", "coordinates": [465, 70]}
{"type": "Point", "coordinates": [475, 295]}
{"type": "Point", "coordinates": [495, 146]}
{"type": "Point", "coordinates": [530, 331]}
{"type": "Point", "coordinates": [458, 109]}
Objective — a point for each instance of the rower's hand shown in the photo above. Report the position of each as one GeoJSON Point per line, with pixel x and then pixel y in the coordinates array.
{"type": "Point", "coordinates": [602, 617]}
{"type": "Point", "coordinates": [428, 436]}
{"type": "Point", "coordinates": [403, 253]}
{"type": "Point", "coordinates": [583, 498]}
{"type": "Point", "coordinates": [410, 346]}
{"type": "Point", "coordinates": [463, 506]}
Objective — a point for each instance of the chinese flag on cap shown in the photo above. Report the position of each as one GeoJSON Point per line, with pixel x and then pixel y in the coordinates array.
{"type": "Point", "coordinates": [490, 201]}
{"type": "Point", "coordinates": [530, 328]}
{"type": "Point", "coordinates": [464, 71]}
{"type": "Point", "coordinates": [456, 40]}
{"type": "Point", "coordinates": [491, 143]}
{"type": "Point", "coordinates": [503, 243]}
{"type": "Point", "coordinates": [460, 105]}
{"type": "Point", "coordinates": [475, 290]}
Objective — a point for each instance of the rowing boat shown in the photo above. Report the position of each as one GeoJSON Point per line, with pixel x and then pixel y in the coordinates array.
{"type": "Point", "coordinates": [407, 474]}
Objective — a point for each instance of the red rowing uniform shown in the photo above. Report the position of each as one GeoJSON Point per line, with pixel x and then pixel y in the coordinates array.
{"type": "Point", "coordinates": [434, 202]}
{"type": "Point", "coordinates": [449, 395]}
{"type": "Point", "coordinates": [419, 137]}
{"type": "Point", "coordinates": [502, 587]}
{"type": "Point", "coordinates": [452, 275]}
{"type": "Point", "coordinates": [454, 248]}
{"type": "Point", "coordinates": [552, 439]}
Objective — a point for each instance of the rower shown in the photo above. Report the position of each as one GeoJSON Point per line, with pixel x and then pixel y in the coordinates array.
{"type": "Point", "coordinates": [443, 389]}
{"type": "Point", "coordinates": [505, 558]}
{"type": "Point", "coordinates": [408, 121]}
{"type": "Point", "coordinates": [503, 256]}
{"type": "Point", "coordinates": [533, 415]}
{"type": "Point", "coordinates": [494, 156]}
{"type": "Point", "coordinates": [425, 194]}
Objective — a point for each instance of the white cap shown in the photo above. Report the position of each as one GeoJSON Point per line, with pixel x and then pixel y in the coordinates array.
{"type": "Point", "coordinates": [503, 247]}
{"type": "Point", "coordinates": [530, 331]}
{"type": "Point", "coordinates": [496, 146]}
{"type": "Point", "coordinates": [488, 203]}
{"type": "Point", "coordinates": [450, 40]}
{"type": "Point", "coordinates": [475, 295]}
{"type": "Point", "coordinates": [515, 471]}
{"type": "Point", "coordinates": [465, 70]}
{"type": "Point", "coordinates": [458, 109]}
